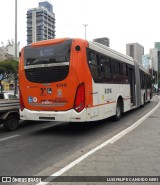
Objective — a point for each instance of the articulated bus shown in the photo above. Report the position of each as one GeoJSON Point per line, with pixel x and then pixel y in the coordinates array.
{"type": "Point", "coordinates": [75, 80]}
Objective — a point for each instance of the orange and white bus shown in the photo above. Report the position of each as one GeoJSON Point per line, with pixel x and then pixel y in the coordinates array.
{"type": "Point", "coordinates": [75, 80]}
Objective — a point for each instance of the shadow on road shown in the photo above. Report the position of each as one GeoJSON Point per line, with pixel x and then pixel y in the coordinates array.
{"type": "Point", "coordinates": [80, 129]}
{"type": "Point", "coordinates": [72, 129]}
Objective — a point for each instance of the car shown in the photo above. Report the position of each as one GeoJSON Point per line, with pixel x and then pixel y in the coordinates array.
{"type": "Point", "coordinates": [7, 95]}
{"type": "Point", "coordinates": [9, 111]}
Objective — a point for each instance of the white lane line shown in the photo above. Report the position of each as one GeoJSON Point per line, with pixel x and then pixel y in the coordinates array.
{"type": "Point", "coordinates": [50, 126]}
{"type": "Point", "coordinates": [47, 126]}
{"type": "Point", "coordinates": [110, 141]}
{"type": "Point", "coordinates": [6, 138]}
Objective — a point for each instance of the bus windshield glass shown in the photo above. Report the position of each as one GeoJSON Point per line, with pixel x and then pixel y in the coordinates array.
{"type": "Point", "coordinates": [53, 55]}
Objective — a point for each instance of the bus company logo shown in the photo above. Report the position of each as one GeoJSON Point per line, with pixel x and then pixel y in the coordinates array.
{"type": "Point", "coordinates": [59, 92]}
{"type": "Point", "coordinates": [49, 90]}
{"type": "Point", "coordinates": [42, 91]}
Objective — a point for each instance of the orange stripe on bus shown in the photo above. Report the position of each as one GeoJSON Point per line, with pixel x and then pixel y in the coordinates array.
{"type": "Point", "coordinates": [126, 98]}
{"type": "Point", "coordinates": [104, 104]}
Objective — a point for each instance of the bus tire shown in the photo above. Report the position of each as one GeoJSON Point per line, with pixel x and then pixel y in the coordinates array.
{"type": "Point", "coordinates": [11, 123]}
{"type": "Point", "coordinates": [119, 108]}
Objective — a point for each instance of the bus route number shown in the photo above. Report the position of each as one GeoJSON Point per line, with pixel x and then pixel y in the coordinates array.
{"type": "Point", "coordinates": [46, 52]}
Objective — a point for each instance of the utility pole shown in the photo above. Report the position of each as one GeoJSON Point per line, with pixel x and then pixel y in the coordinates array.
{"type": "Point", "coordinates": [85, 25]}
{"type": "Point", "coordinates": [15, 30]}
{"type": "Point", "coordinates": [15, 47]}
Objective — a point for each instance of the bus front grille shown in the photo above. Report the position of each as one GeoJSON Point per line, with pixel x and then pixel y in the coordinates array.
{"type": "Point", "coordinates": [47, 74]}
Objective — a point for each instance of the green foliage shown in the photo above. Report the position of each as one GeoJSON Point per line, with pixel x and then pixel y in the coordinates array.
{"type": "Point", "coordinates": [7, 70]}
{"type": "Point", "coordinates": [8, 67]}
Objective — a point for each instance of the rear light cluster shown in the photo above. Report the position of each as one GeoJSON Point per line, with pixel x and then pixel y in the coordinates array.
{"type": "Point", "coordinates": [21, 102]}
{"type": "Point", "coordinates": [79, 103]}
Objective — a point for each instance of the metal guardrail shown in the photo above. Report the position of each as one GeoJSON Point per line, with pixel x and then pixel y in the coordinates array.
{"type": "Point", "coordinates": [9, 105]}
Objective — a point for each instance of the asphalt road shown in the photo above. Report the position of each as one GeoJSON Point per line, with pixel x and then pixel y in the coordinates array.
{"type": "Point", "coordinates": [42, 148]}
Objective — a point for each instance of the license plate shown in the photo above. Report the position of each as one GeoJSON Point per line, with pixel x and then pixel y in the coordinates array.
{"type": "Point", "coordinates": [47, 102]}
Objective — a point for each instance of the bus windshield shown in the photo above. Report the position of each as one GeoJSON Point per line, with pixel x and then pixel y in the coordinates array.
{"type": "Point", "coordinates": [53, 55]}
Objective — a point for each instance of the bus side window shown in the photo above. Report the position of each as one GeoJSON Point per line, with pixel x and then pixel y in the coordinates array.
{"type": "Point", "coordinates": [124, 73]}
{"type": "Point", "coordinates": [94, 64]}
{"type": "Point", "coordinates": [142, 80]}
{"type": "Point", "coordinates": [117, 76]}
{"type": "Point", "coordinates": [149, 82]}
{"type": "Point", "coordinates": [101, 60]}
{"type": "Point", "coordinates": [107, 70]}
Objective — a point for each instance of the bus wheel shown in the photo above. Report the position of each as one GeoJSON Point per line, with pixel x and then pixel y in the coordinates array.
{"type": "Point", "coordinates": [118, 114]}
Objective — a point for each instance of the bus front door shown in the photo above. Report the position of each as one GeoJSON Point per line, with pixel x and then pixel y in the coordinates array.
{"type": "Point", "coordinates": [132, 86]}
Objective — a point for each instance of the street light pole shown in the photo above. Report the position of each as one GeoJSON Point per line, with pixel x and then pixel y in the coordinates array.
{"type": "Point", "coordinates": [85, 25]}
{"type": "Point", "coordinates": [15, 47]}
{"type": "Point", "coordinates": [16, 30]}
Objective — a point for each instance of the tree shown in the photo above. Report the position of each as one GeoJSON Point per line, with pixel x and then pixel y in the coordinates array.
{"type": "Point", "coordinates": [7, 70]}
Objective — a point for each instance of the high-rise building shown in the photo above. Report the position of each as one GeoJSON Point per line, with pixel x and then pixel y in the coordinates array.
{"type": "Point", "coordinates": [153, 53]}
{"type": "Point", "coordinates": [40, 23]}
{"type": "Point", "coordinates": [157, 46]}
{"type": "Point", "coordinates": [136, 51]}
{"type": "Point", "coordinates": [8, 52]}
{"type": "Point", "coordinates": [146, 61]}
{"type": "Point", "coordinates": [102, 40]}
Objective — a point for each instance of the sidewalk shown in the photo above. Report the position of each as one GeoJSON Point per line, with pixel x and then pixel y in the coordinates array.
{"type": "Point", "coordinates": [135, 154]}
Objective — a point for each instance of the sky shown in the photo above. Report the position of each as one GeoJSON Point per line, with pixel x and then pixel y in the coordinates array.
{"type": "Point", "coordinates": [122, 21]}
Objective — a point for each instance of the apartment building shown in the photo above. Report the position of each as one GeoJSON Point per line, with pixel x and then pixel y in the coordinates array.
{"type": "Point", "coordinates": [40, 23]}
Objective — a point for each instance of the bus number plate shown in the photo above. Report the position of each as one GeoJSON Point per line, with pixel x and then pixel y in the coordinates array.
{"type": "Point", "coordinates": [47, 102]}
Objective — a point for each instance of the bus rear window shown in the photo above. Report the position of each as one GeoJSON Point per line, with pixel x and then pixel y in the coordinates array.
{"type": "Point", "coordinates": [54, 55]}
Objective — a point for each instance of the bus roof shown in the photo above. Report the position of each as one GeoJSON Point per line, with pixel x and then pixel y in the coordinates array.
{"type": "Point", "coordinates": [110, 52]}
{"type": "Point", "coordinates": [48, 42]}
{"type": "Point", "coordinates": [95, 46]}
{"type": "Point", "coordinates": [143, 69]}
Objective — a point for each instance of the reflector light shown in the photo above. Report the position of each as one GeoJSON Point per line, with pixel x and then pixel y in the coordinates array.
{"type": "Point", "coordinates": [79, 103]}
{"type": "Point", "coordinates": [21, 102]}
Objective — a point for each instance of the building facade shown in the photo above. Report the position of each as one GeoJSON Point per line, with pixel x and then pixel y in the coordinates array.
{"type": "Point", "coordinates": [146, 62]}
{"type": "Point", "coordinates": [102, 40]}
{"type": "Point", "coordinates": [157, 46]}
{"type": "Point", "coordinates": [40, 23]}
{"type": "Point", "coordinates": [153, 53]}
{"type": "Point", "coordinates": [8, 52]}
{"type": "Point", "coordinates": [136, 51]}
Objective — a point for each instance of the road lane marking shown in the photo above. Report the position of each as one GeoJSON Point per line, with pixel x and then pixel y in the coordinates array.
{"type": "Point", "coordinates": [110, 141]}
{"type": "Point", "coordinates": [6, 138]}
{"type": "Point", "coordinates": [48, 126]}
{"type": "Point", "coordinates": [52, 125]}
